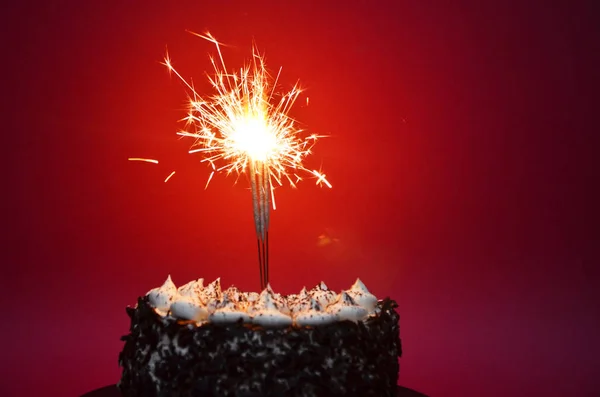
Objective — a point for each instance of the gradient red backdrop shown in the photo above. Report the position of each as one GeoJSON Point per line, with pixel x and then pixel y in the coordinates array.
{"type": "Point", "coordinates": [460, 153]}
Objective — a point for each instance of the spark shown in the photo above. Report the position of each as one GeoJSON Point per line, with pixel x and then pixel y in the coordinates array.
{"type": "Point", "coordinates": [142, 159]}
{"type": "Point", "coordinates": [321, 179]}
{"type": "Point", "coordinates": [211, 174]}
{"type": "Point", "coordinates": [169, 177]}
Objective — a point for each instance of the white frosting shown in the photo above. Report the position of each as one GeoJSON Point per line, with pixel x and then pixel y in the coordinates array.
{"type": "Point", "coordinates": [162, 297]}
{"type": "Point", "coordinates": [266, 313]}
{"type": "Point", "coordinates": [192, 289]}
{"type": "Point", "coordinates": [318, 306]}
{"type": "Point", "coordinates": [314, 315]}
{"type": "Point", "coordinates": [189, 308]}
{"type": "Point", "coordinates": [323, 295]}
{"type": "Point", "coordinates": [234, 294]}
{"type": "Point", "coordinates": [227, 312]}
{"type": "Point", "coordinates": [346, 309]}
{"type": "Point", "coordinates": [300, 302]}
{"type": "Point", "coordinates": [280, 301]}
{"type": "Point", "coordinates": [361, 295]}
{"type": "Point", "coordinates": [237, 297]}
{"type": "Point", "coordinates": [211, 295]}
{"type": "Point", "coordinates": [252, 296]}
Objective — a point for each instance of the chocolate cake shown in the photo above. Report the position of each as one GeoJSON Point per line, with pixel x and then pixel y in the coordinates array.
{"type": "Point", "coordinates": [200, 341]}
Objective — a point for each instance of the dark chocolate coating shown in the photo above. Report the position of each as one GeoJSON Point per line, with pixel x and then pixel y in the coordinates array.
{"type": "Point", "coordinates": [241, 360]}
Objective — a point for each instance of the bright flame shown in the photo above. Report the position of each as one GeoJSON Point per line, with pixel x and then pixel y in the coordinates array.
{"type": "Point", "coordinates": [252, 136]}
{"type": "Point", "coordinates": [246, 122]}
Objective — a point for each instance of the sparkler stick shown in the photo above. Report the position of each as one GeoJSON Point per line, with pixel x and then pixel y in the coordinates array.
{"type": "Point", "coordinates": [246, 126]}
{"type": "Point", "coordinates": [260, 210]}
{"type": "Point", "coordinates": [259, 181]}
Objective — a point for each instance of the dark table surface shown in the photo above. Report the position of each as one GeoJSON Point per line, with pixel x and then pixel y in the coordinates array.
{"type": "Point", "coordinates": [112, 391]}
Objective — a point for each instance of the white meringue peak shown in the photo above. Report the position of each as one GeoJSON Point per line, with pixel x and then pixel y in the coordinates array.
{"type": "Point", "coordinates": [361, 295]}
{"type": "Point", "coordinates": [321, 294]}
{"type": "Point", "coordinates": [237, 297]}
{"type": "Point", "coordinates": [227, 312]}
{"type": "Point", "coordinates": [346, 309]}
{"type": "Point", "coordinates": [193, 288]}
{"type": "Point", "coordinates": [211, 295]}
{"type": "Point", "coordinates": [161, 298]}
{"type": "Point", "coordinates": [266, 313]}
{"type": "Point", "coordinates": [314, 316]}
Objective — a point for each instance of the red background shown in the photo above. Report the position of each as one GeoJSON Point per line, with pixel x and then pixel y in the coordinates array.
{"type": "Point", "coordinates": [460, 153]}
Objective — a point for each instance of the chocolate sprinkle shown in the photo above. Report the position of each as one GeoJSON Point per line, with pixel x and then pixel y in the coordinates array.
{"type": "Point", "coordinates": [165, 358]}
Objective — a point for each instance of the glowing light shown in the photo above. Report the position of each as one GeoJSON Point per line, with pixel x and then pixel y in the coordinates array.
{"type": "Point", "coordinates": [169, 177]}
{"type": "Point", "coordinates": [142, 159]}
{"type": "Point", "coordinates": [321, 178]}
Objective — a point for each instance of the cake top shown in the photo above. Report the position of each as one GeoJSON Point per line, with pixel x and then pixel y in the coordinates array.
{"type": "Point", "coordinates": [200, 304]}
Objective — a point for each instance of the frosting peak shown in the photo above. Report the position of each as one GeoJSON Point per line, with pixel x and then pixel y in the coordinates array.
{"type": "Point", "coordinates": [321, 294]}
{"type": "Point", "coordinates": [361, 295]}
{"type": "Point", "coordinates": [346, 299]}
{"type": "Point", "coordinates": [346, 309]}
{"type": "Point", "coordinates": [192, 289]}
{"type": "Point", "coordinates": [359, 286]}
{"type": "Point", "coordinates": [266, 313]}
{"type": "Point", "coordinates": [314, 315]}
{"type": "Point", "coordinates": [162, 297]}
{"type": "Point", "coordinates": [227, 311]}
{"type": "Point", "coordinates": [211, 295]}
{"type": "Point", "coordinates": [266, 300]}
{"type": "Point", "coordinates": [236, 296]}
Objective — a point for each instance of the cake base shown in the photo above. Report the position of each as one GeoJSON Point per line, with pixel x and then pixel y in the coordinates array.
{"type": "Point", "coordinates": [113, 391]}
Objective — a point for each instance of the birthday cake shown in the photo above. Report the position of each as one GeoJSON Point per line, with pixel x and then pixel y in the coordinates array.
{"type": "Point", "coordinates": [199, 340]}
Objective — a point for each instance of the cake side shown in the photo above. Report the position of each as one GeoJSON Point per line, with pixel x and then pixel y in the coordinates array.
{"type": "Point", "coordinates": [316, 343]}
{"type": "Point", "coordinates": [167, 357]}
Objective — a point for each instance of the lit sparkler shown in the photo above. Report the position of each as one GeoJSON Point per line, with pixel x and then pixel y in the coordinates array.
{"type": "Point", "coordinates": [245, 127]}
